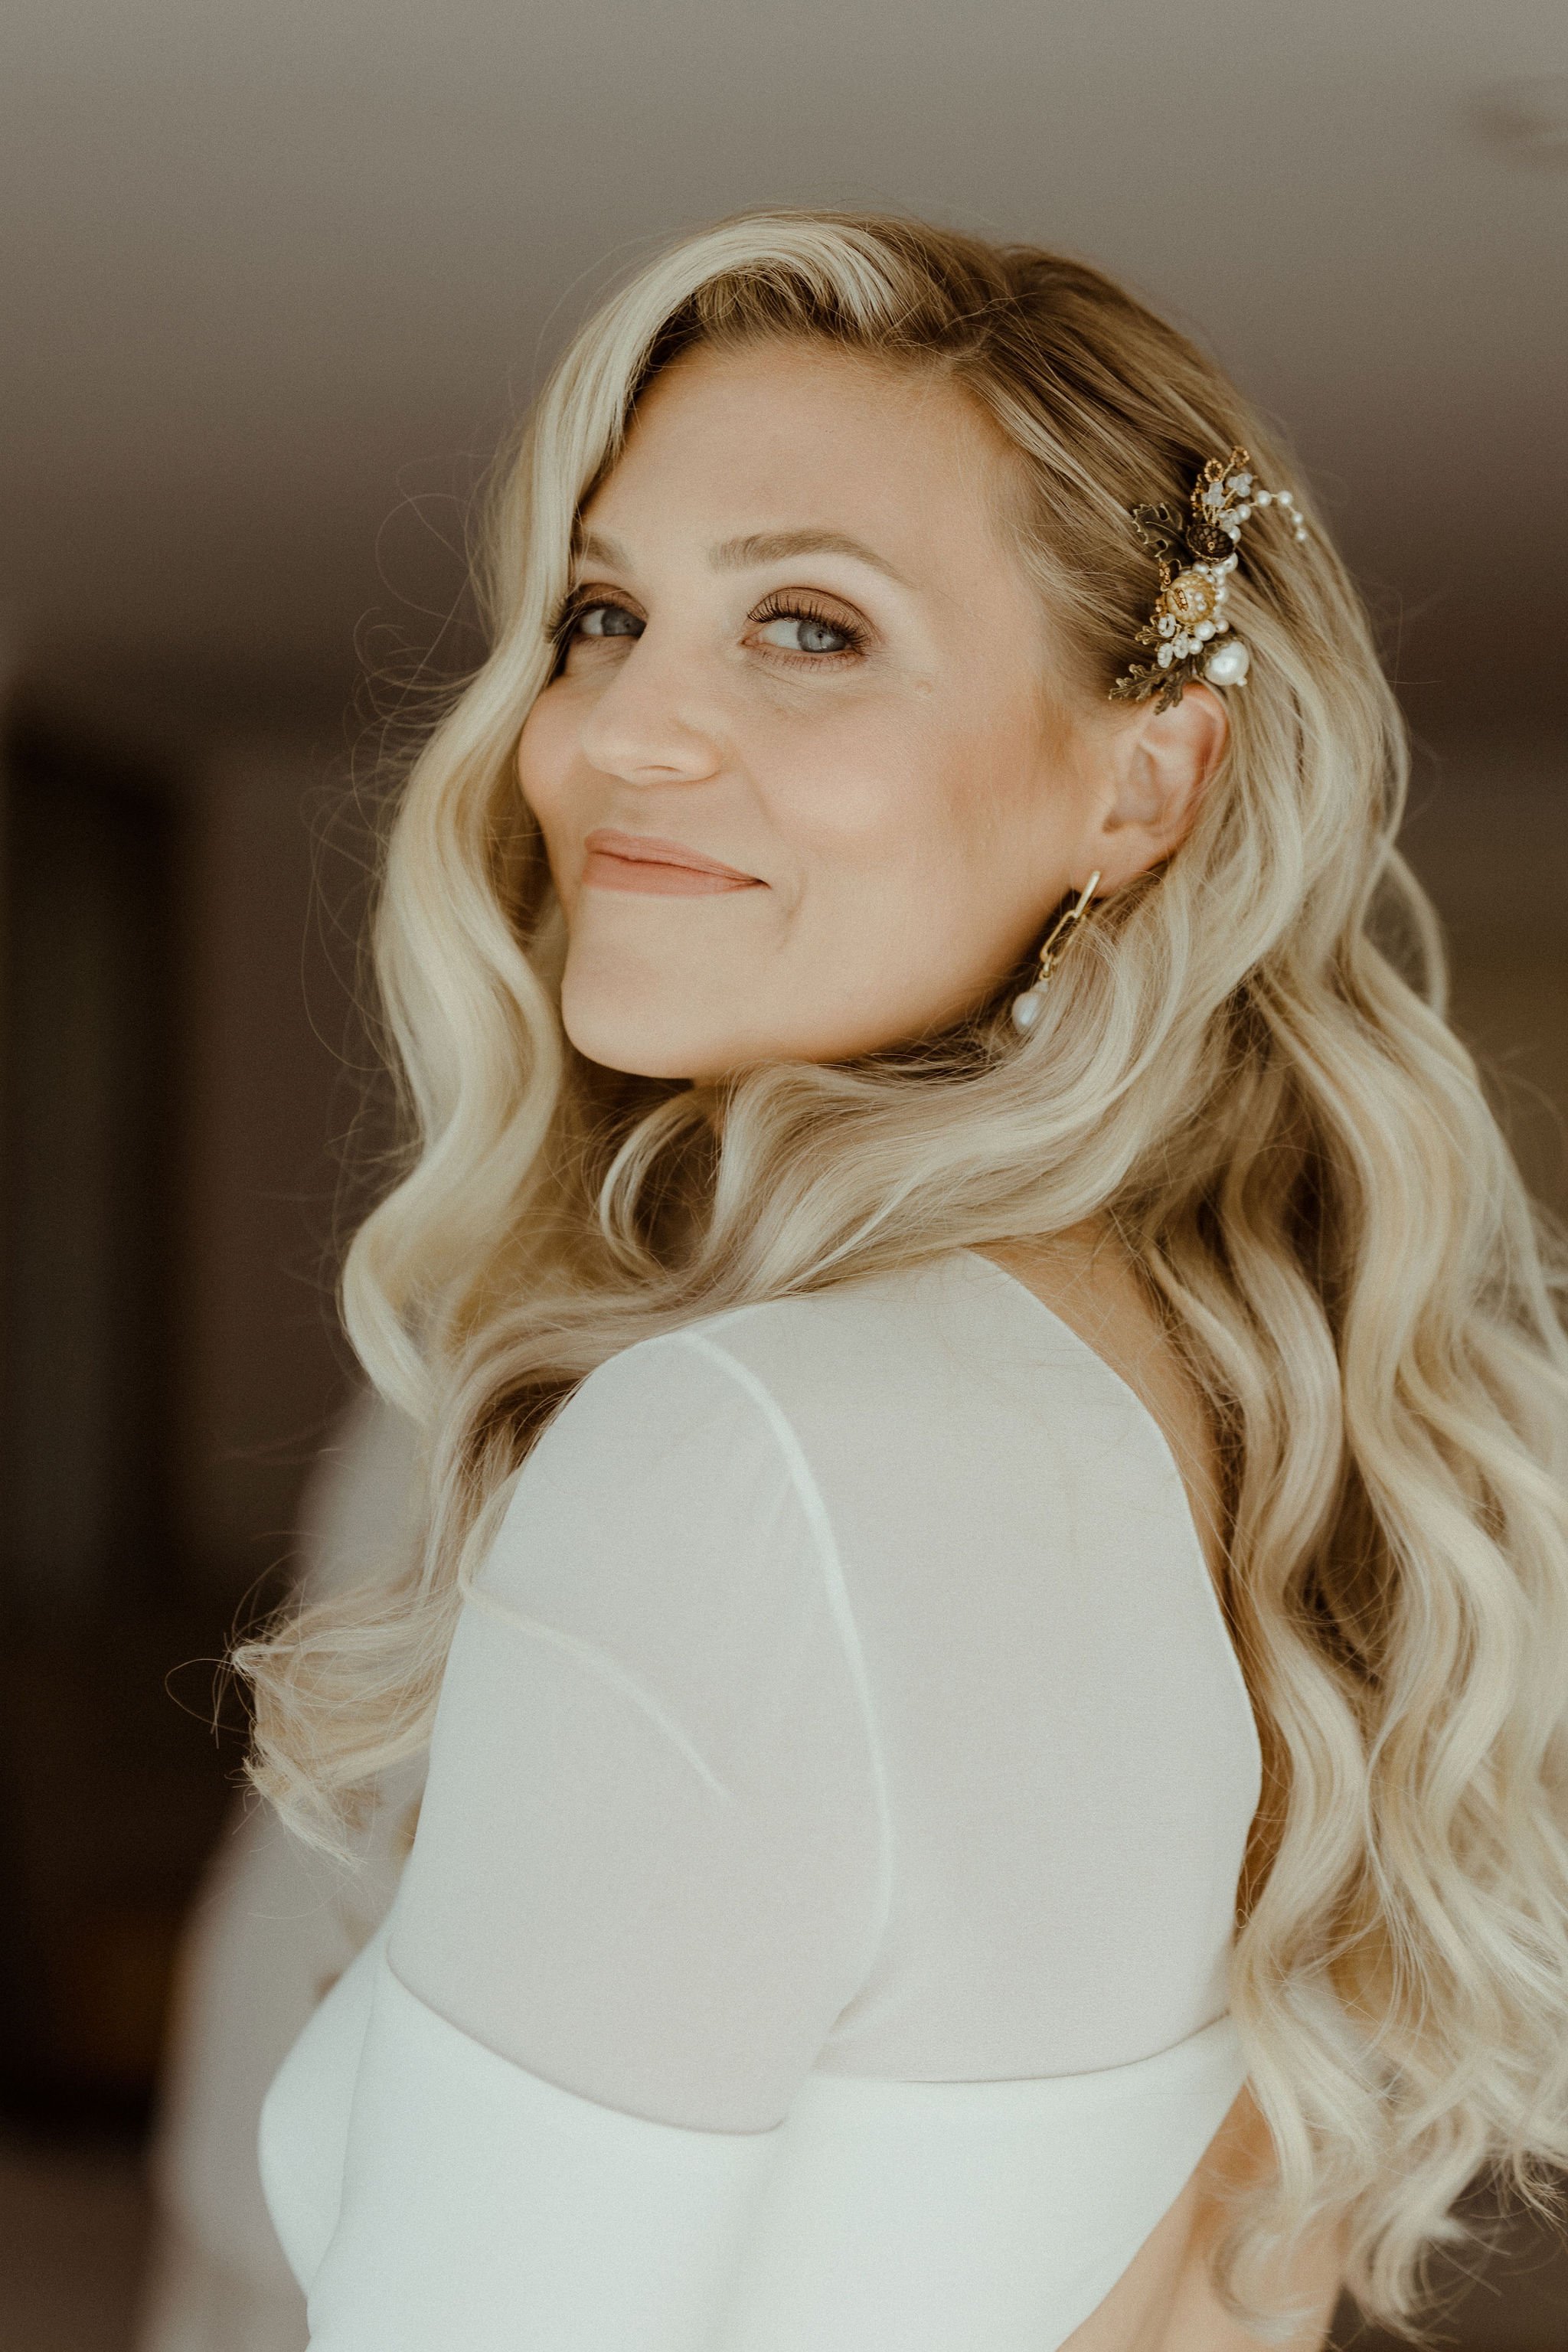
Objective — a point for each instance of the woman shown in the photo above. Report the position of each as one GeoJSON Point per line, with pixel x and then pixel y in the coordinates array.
{"type": "Point", "coordinates": [996, 1572]}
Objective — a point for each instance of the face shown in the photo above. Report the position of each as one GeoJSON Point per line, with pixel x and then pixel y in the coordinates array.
{"type": "Point", "coordinates": [802, 788]}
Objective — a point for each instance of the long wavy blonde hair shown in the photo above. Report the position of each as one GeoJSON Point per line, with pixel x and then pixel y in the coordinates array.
{"type": "Point", "coordinates": [1245, 1064]}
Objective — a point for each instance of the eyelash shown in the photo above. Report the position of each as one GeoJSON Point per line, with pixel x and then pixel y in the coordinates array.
{"type": "Point", "coordinates": [783, 605]}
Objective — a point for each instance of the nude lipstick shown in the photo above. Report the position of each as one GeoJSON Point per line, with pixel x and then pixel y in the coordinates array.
{"type": "Point", "coordinates": [641, 861]}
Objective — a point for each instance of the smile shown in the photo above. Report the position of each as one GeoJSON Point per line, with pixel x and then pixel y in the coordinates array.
{"type": "Point", "coordinates": [631, 861]}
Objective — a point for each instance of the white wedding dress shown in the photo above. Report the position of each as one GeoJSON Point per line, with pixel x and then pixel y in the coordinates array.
{"type": "Point", "coordinates": [815, 1936]}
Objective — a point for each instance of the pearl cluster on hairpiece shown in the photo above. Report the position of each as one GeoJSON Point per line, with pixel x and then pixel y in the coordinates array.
{"type": "Point", "coordinates": [1189, 628]}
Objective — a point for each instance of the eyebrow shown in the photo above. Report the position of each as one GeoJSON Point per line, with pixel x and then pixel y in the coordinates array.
{"type": "Point", "coordinates": [759, 547]}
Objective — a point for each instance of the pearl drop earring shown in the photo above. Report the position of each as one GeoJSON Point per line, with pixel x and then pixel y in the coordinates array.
{"type": "Point", "coordinates": [1026, 1007]}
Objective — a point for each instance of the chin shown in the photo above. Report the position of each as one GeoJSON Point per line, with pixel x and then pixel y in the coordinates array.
{"type": "Point", "coordinates": [626, 1045]}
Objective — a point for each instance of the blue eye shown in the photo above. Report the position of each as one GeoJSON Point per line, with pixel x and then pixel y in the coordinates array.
{"type": "Point", "coordinates": [812, 634]}
{"type": "Point", "coordinates": [605, 621]}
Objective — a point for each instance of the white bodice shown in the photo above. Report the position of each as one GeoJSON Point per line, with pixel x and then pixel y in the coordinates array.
{"type": "Point", "coordinates": [817, 1930]}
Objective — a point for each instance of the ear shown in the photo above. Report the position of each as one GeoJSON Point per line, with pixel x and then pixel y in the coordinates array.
{"type": "Point", "coordinates": [1160, 763]}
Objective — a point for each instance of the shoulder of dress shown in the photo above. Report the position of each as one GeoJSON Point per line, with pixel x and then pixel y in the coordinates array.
{"type": "Point", "coordinates": [846, 1335]}
{"type": "Point", "coordinates": [729, 1397]}
{"type": "Point", "coordinates": [671, 1448]}
{"type": "Point", "coordinates": [758, 1354]}
{"type": "Point", "coordinates": [668, 1383]}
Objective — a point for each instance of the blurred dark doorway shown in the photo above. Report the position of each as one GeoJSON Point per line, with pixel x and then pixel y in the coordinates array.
{"type": "Point", "coordinates": [91, 892]}
{"type": "Point", "coordinates": [108, 1794]}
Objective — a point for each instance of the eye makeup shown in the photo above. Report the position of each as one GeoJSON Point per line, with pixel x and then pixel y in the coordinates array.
{"type": "Point", "coordinates": [781, 604]}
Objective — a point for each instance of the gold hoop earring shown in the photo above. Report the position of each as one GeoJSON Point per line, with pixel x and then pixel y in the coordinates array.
{"type": "Point", "coordinates": [1026, 1008]}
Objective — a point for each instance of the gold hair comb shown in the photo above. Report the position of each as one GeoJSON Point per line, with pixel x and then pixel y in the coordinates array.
{"type": "Point", "coordinates": [1189, 628]}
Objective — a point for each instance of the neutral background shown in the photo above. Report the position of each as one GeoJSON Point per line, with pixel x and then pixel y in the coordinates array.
{"type": "Point", "coordinates": [273, 279]}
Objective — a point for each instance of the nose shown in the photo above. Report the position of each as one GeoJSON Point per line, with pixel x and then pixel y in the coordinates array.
{"type": "Point", "coordinates": [646, 725]}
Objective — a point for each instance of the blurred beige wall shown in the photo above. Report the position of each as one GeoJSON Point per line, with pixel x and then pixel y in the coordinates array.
{"type": "Point", "coordinates": [1488, 834]}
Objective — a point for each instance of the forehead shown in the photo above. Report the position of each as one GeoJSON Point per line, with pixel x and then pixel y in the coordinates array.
{"type": "Point", "coordinates": [785, 434]}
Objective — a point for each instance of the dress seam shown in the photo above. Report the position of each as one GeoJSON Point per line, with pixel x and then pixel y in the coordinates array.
{"type": "Point", "coordinates": [809, 1495]}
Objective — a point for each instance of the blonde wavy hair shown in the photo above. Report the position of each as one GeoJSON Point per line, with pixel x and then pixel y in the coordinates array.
{"type": "Point", "coordinates": [1244, 1064]}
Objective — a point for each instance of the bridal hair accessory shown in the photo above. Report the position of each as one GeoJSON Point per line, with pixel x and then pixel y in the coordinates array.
{"type": "Point", "coordinates": [1026, 1008]}
{"type": "Point", "coordinates": [1188, 627]}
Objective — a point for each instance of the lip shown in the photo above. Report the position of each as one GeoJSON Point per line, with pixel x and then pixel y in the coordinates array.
{"type": "Point", "coordinates": [650, 849]}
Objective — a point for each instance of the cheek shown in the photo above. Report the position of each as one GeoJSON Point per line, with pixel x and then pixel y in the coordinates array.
{"type": "Point", "coordinates": [911, 798]}
{"type": "Point", "coordinates": [930, 850]}
{"type": "Point", "coordinates": [864, 790]}
{"type": "Point", "coordinates": [545, 753]}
